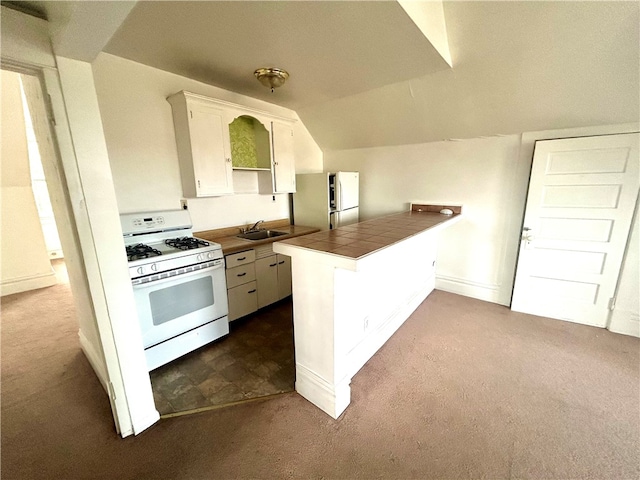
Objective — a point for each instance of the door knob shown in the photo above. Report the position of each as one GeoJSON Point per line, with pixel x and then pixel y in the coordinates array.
{"type": "Point", "coordinates": [527, 236]}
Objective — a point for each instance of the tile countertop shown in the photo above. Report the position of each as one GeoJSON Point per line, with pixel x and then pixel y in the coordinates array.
{"type": "Point", "coordinates": [226, 237]}
{"type": "Point", "coordinates": [360, 239]}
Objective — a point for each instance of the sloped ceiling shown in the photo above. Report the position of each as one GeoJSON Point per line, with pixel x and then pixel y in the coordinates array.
{"type": "Point", "coordinates": [330, 49]}
{"type": "Point", "coordinates": [518, 66]}
{"type": "Point", "coordinates": [363, 73]}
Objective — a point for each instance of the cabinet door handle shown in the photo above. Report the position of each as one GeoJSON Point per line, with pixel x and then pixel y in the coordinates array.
{"type": "Point", "coordinates": [242, 274]}
{"type": "Point", "coordinates": [280, 263]}
{"type": "Point", "coordinates": [273, 264]}
{"type": "Point", "coordinates": [252, 291]}
{"type": "Point", "coordinates": [240, 259]}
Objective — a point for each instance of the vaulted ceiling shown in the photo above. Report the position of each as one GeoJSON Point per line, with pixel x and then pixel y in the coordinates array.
{"type": "Point", "coordinates": [330, 49]}
{"type": "Point", "coordinates": [377, 73]}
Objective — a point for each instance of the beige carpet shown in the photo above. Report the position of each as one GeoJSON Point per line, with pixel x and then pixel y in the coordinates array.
{"type": "Point", "coordinates": [465, 389]}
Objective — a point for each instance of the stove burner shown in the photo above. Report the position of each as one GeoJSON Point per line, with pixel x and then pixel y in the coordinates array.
{"type": "Point", "coordinates": [140, 250]}
{"type": "Point", "coordinates": [186, 243]}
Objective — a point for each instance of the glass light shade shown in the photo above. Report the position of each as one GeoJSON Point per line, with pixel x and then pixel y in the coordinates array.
{"type": "Point", "coordinates": [271, 77]}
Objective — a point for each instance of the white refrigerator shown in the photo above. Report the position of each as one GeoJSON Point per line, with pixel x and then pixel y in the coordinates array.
{"type": "Point", "coordinates": [326, 200]}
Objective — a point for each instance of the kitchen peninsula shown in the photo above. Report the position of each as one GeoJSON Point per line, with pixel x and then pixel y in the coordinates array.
{"type": "Point", "coordinates": [353, 287]}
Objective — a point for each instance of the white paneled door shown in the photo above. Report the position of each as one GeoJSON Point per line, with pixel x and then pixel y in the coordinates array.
{"type": "Point", "coordinates": [580, 204]}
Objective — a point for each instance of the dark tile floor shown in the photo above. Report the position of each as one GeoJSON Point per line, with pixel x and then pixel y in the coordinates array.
{"type": "Point", "coordinates": [256, 359]}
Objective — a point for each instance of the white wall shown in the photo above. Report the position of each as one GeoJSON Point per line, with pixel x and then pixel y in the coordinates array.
{"type": "Point", "coordinates": [479, 174]}
{"type": "Point", "coordinates": [56, 185]}
{"type": "Point", "coordinates": [104, 257]}
{"type": "Point", "coordinates": [142, 150]}
{"type": "Point", "coordinates": [20, 223]}
{"type": "Point", "coordinates": [476, 257]}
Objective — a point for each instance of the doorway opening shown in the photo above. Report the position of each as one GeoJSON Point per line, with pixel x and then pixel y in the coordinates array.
{"type": "Point", "coordinates": [30, 235]}
{"type": "Point", "coordinates": [41, 352]}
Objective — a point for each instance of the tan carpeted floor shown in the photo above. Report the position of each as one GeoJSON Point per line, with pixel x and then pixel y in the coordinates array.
{"type": "Point", "coordinates": [465, 389]}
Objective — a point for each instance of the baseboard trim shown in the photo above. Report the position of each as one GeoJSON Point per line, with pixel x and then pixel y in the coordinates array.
{"type": "Point", "coordinates": [331, 399]}
{"type": "Point", "coordinates": [141, 424]}
{"type": "Point", "coordinates": [481, 291]}
{"type": "Point", "coordinates": [25, 284]}
{"type": "Point", "coordinates": [625, 322]}
{"type": "Point", "coordinates": [95, 359]}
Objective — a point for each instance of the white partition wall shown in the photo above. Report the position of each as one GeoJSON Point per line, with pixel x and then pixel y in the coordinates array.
{"type": "Point", "coordinates": [86, 210]}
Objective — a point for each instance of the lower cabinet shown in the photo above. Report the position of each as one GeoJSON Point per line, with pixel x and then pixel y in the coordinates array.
{"type": "Point", "coordinates": [267, 280]}
{"type": "Point", "coordinates": [273, 275]}
{"type": "Point", "coordinates": [284, 276]}
{"type": "Point", "coordinates": [256, 278]}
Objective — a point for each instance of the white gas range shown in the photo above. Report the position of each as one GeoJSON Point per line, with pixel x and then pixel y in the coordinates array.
{"type": "Point", "coordinates": [179, 284]}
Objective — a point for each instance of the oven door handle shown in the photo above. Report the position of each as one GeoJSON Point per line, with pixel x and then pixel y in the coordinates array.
{"type": "Point", "coordinates": [160, 281]}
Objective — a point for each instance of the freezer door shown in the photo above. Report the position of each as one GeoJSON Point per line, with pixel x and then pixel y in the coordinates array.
{"type": "Point", "coordinates": [347, 190]}
{"type": "Point", "coordinates": [346, 217]}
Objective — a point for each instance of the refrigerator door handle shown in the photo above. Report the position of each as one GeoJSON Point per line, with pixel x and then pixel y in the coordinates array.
{"type": "Point", "coordinates": [339, 199]}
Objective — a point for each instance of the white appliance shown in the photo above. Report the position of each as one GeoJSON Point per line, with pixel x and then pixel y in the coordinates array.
{"type": "Point", "coordinates": [179, 284]}
{"type": "Point", "coordinates": [326, 200]}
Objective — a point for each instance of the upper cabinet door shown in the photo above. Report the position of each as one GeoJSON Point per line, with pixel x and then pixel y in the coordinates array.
{"type": "Point", "coordinates": [207, 129]}
{"type": "Point", "coordinates": [210, 150]}
{"type": "Point", "coordinates": [284, 169]}
{"type": "Point", "coordinates": [204, 152]}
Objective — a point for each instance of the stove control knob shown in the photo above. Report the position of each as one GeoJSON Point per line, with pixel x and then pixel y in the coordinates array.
{"type": "Point", "coordinates": [199, 257]}
{"type": "Point", "coordinates": [154, 267]}
{"type": "Point", "coordinates": [210, 255]}
{"type": "Point", "coordinates": [141, 270]}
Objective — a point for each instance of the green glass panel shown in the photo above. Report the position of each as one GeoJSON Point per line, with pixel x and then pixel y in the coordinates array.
{"type": "Point", "coordinates": [243, 143]}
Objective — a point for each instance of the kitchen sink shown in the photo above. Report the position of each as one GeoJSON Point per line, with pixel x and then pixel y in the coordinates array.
{"type": "Point", "coordinates": [261, 234]}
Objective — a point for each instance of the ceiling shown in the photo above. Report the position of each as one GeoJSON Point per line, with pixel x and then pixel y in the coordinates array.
{"type": "Point", "coordinates": [518, 67]}
{"type": "Point", "coordinates": [331, 49]}
{"type": "Point", "coordinates": [366, 73]}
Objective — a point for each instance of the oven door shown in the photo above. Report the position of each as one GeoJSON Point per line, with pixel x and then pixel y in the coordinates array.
{"type": "Point", "coordinates": [174, 305]}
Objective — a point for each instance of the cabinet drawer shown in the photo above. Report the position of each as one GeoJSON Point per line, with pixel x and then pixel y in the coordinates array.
{"type": "Point", "coordinates": [239, 275]}
{"type": "Point", "coordinates": [240, 258]}
{"type": "Point", "coordinates": [243, 300]}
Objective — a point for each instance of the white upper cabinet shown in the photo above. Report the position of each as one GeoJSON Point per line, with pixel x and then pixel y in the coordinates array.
{"type": "Point", "coordinates": [215, 137]}
{"type": "Point", "coordinates": [204, 151]}
{"type": "Point", "coordinates": [284, 169]}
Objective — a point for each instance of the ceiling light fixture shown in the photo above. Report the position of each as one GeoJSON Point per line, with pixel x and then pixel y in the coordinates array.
{"type": "Point", "coordinates": [271, 77]}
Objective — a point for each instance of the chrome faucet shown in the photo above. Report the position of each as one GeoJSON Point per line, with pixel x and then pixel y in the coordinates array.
{"type": "Point", "coordinates": [254, 228]}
